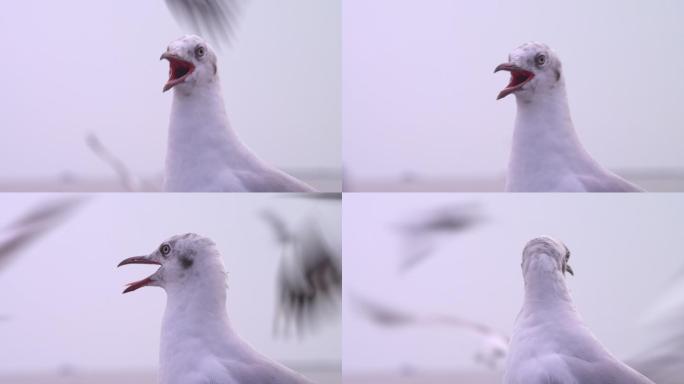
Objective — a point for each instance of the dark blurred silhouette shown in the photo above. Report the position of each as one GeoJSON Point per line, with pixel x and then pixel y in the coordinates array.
{"type": "Point", "coordinates": [309, 279]}
{"type": "Point", "coordinates": [212, 18]}
{"type": "Point", "coordinates": [421, 232]}
{"type": "Point", "coordinates": [34, 224]}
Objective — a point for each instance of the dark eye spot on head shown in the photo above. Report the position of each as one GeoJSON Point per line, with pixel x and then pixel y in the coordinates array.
{"type": "Point", "coordinates": [186, 262]}
{"type": "Point", "coordinates": [558, 74]}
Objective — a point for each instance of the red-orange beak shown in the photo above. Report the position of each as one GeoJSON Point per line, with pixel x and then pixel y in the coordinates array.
{"type": "Point", "coordinates": [519, 77]}
{"type": "Point", "coordinates": [144, 282]}
{"type": "Point", "coordinates": [179, 70]}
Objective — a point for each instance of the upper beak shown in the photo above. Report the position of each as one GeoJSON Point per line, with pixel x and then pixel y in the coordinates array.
{"type": "Point", "coordinates": [150, 280]}
{"type": "Point", "coordinates": [168, 55]}
{"type": "Point", "coordinates": [506, 67]}
{"type": "Point", "coordinates": [139, 260]}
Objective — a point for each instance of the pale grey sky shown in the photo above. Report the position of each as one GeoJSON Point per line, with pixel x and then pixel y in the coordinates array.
{"type": "Point", "coordinates": [79, 66]}
{"type": "Point", "coordinates": [625, 251]}
{"type": "Point", "coordinates": [419, 93]}
{"type": "Point", "coordinates": [63, 294]}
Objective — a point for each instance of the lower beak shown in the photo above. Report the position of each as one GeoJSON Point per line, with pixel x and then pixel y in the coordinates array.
{"type": "Point", "coordinates": [150, 280]}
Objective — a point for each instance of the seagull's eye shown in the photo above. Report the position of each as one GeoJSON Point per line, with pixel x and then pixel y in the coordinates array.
{"type": "Point", "coordinates": [199, 51]}
{"type": "Point", "coordinates": [165, 249]}
{"type": "Point", "coordinates": [540, 60]}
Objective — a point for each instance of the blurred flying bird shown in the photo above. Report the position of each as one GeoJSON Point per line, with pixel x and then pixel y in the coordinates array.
{"type": "Point", "coordinates": [494, 342]}
{"type": "Point", "coordinates": [309, 277]}
{"type": "Point", "coordinates": [332, 196]}
{"type": "Point", "coordinates": [421, 233]}
{"type": "Point", "coordinates": [126, 179]}
{"type": "Point", "coordinates": [663, 360]}
{"type": "Point", "coordinates": [33, 224]}
{"type": "Point", "coordinates": [213, 18]}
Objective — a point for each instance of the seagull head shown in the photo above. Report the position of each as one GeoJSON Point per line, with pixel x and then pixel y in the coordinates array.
{"type": "Point", "coordinates": [546, 254]}
{"type": "Point", "coordinates": [184, 261]}
{"type": "Point", "coordinates": [533, 66]}
{"type": "Point", "coordinates": [191, 62]}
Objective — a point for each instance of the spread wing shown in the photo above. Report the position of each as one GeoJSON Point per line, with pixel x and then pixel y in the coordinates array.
{"type": "Point", "coordinates": [309, 280]}
{"type": "Point", "coordinates": [214, 18]}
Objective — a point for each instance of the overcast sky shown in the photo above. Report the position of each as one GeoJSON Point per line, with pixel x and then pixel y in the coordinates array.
{"type": "Point", "coordinates": [79, 66]}
{"type": "Point", "coordinates": [419, 93]}
{"type": "Point", "coordinates": [63, 294]}
{"type": "Point", "coordinates": [625, 251]}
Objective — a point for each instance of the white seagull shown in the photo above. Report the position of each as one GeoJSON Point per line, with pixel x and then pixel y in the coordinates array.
{"type": "Point", "coordinates": [550, 342]}
{"type": "Point", "coordinates": [198, 345]}
{"type": "Point", "coordinates": [547, 155]}
{"type": "Point", "coordinates": [204, 153]}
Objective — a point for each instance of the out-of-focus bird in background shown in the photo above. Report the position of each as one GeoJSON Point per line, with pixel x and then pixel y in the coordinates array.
{"type": "Point", "coordinates": [31, 226]}
{"type": "Point", "coordinates": [212, 18]}
{"type": "Point", "coordinates": [663, 360]}
{"type": "Point", "coordinates": [128, 182]}
{"type": "Point", "coordinates": [422, 231]}
{"type": "Point", "coordinates": [34, 224]}
{"type": "Point", "coordinates": [309, 277]}
{"type": "Point", "coordinates": [494, 344]}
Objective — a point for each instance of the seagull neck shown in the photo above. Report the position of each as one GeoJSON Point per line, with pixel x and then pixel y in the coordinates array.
{"type": "Point", "coordinates": [199, 130]}
{"type": "Point", "coordinates": [203, 299]}
{"type": "Point", "coordinates": [544, 129]}
{"type": "Point", "coordinates": [546, 288]}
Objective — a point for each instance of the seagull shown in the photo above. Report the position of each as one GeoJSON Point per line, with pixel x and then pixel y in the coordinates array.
{"type": "Point", "coordinates": [547, 155]}
{"type": "Point", "coordinates": [198, 345]}
{"type": "Point", "coordinates": [421, 232]}
{"type": "Point", "coordinates": [215, 17]}
{"type": "Point", "coordinates": [494, 342]}
{"type": "Point", "coordinates": [204, 154]}
{"type": "Point", "coordinates": [309, 279]}
{"type": "Point", "coordinates": [550, 342]}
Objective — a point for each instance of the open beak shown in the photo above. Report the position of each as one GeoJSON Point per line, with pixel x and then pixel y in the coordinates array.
{"type": "Point", "coordinates": [519, 77]}
{"type": "Point", "coordinates": [150, 280]}
{"type": "Point", "coordinates": [179, 70]}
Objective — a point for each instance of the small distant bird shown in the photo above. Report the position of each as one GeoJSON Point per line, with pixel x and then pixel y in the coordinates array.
{"type": "Point", "coordinates": [550, 342]}
{"type": "Point", "coordinates": [309, 280]}
{"type": "Point", "coordinates": [494, 342]}
{"type": "Point", "coordinates": [198, 344]}
{"type": "Point", "coordinates": [547, 155]}
{"type": "Point", "coordinates": [421, 231]}
{"type": "Point", "coordinates": [204, 153]}
{"type": "Point", "coordinates": [212, 17]}
{"type": "Point", "coordinates": [33, 224]}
